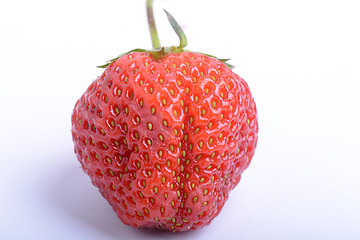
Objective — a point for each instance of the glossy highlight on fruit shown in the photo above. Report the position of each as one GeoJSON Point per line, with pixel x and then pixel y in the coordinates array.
{"type": "Point", "coordinates": [165, 139]}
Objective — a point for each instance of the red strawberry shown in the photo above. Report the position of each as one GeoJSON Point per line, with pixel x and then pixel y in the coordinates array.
{"type": "Point", "coordinates": [165, 135]}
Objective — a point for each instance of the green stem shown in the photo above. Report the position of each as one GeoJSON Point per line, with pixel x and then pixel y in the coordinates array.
{"type": "Point", "coordinates": [152, 27]}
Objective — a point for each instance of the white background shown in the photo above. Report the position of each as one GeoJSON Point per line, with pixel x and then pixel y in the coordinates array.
{"type": "Point", "coordinates": [301, 60]}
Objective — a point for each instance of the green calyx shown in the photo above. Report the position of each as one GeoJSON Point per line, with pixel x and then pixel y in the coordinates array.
{"type": "Point", "coordinates": [159, 52]}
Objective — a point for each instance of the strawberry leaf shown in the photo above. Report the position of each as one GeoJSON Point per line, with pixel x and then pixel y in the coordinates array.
{"type": "Point", "coordinates": [114, 59]}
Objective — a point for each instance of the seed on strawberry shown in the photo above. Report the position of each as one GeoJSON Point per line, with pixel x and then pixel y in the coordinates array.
{"type": "Point", "coordinates": [165, 134]}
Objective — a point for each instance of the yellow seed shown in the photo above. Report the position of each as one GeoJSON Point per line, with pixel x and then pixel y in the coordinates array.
{"type": "Point", "coordinates": [165, 123]}
{"type": "Point", "coordinates": [203, 112]}
{"type": "Point", "coordinates": [161, 137]}
{"type": "Point", "coordinates": [153, 110]}
{"type": "Point", "coordinates": [150, 126]}
{"type": "Point", "coordinates": [197, 130]}
{"type": "Point", "coordinates": [195, 199]}
{"type": "Point", "coordinates": [210, 140]}
{"type": "Point", "coordinates": [155, 190]}
{"type": "Point", "coordinates": [146, 210]}
{"type": "Point", "coordinates": [163, 102]}
{"type": "Point", "coordinates": [161, 81]}
{"type": "Point", "coordinates": [163, 179]}
{"type": "Point", "coordinates": [175, 113]}
{"type": "Point", "coordinates": [201, 144]}
{"type": "Point", "coordinates": [196, 99]}
{"type": "Point", "coordinates": [202, 179]}
{"type": "Point", "coordinates": [151, 90]}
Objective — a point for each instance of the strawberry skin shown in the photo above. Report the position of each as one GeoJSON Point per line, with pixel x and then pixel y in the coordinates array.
{"type": "Point", "coordinates": [165, 140]}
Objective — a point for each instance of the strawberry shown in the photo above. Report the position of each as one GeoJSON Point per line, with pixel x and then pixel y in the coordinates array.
{"type": "Point", "coordinates": [165, 134]}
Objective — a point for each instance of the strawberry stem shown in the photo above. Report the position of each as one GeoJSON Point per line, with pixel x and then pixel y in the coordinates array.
{"type": "Point", "coordinates": [152, 26]}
